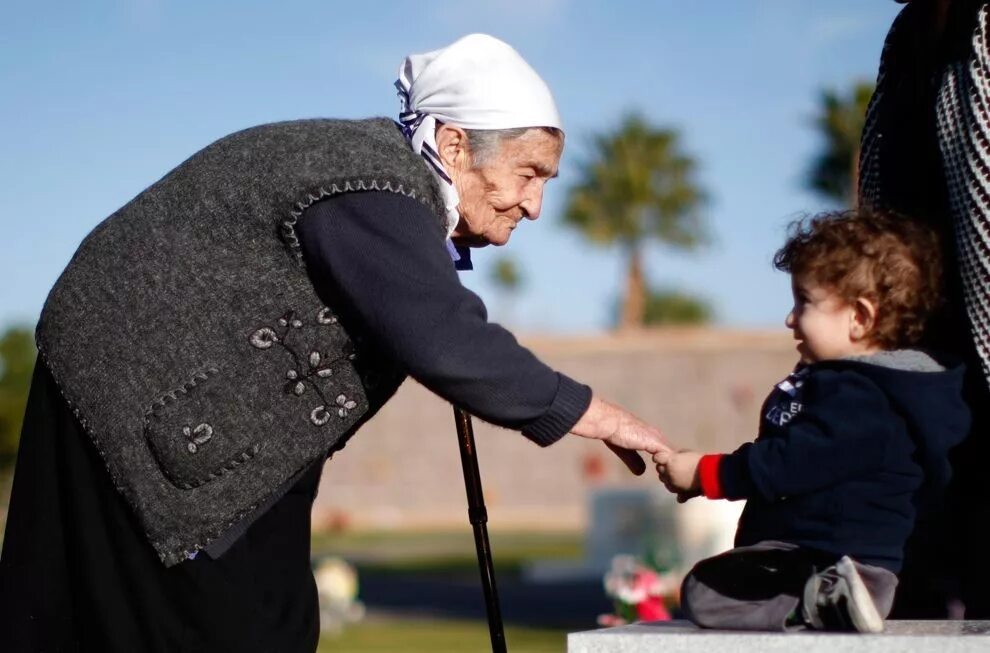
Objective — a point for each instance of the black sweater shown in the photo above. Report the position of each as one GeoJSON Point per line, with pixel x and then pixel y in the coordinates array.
{"type": "Point", "coordinates": [379, 259]}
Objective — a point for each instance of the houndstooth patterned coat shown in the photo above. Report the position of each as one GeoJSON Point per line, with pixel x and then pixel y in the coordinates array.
{"type": "Point", "coordinates": [926, 145]}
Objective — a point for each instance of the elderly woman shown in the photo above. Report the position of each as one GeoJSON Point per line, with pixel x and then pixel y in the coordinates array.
{"type": "Point", "coordinates": [214, 341]}
{"type": "Point", "coordinates": [925, 153]}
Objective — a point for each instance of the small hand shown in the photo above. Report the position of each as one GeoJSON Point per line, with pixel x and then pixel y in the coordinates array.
{"type": "Point", "coordinates": [678, 471]}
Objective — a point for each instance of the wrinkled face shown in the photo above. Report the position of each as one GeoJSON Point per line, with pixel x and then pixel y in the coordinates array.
{"type": "Point", "coordinates": [495, 197]}
{"type": "Point", "coordinates": [822, 322]}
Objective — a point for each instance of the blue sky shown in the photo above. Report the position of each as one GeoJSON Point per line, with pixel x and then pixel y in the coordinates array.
{"type": "Point", "coordinates": [100, 99]}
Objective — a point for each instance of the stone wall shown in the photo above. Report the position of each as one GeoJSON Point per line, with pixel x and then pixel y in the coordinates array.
{"type": "Point", "coordinates": [703, 387]}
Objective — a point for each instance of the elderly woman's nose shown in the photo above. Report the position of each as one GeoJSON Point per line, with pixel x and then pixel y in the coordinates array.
{"type": "Point", "coordinates": [532, 204]}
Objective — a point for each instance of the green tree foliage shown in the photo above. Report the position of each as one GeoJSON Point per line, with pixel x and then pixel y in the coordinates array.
{"type": "Point", "coordinates": [637, 185]}
{"type": "Point", "coordinates": [17, 355]}
{"type": "Point", "coordinates": [672, 307]}
{"type": "Point", "coordinates": [506, 275]}
{"type": "Point", "coordinates": [508, 280]}
{"type": "Point", "coordinates": [834, 172]}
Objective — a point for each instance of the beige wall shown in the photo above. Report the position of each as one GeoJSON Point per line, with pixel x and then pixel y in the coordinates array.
{"type": "Point", "coordinates": [703, 387]}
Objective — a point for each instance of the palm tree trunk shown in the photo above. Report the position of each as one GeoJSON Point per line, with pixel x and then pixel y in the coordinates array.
{"type": "Point", "coordinates": [634, 303]}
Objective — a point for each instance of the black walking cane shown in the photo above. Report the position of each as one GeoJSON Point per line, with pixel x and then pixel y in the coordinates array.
{"type": "Point", "coordinates": [478, 515]}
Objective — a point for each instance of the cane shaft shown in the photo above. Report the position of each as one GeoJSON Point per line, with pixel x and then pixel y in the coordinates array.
{"type": "Point", "coordinates": [478, 515]}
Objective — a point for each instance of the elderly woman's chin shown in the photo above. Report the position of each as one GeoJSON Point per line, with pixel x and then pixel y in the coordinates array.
{"type": "Point", "coordinates": [483, 240]}
{"type": "Point", "coordinates": [496, 232]}
{"type": "Point", "coordinates": [500, 236]}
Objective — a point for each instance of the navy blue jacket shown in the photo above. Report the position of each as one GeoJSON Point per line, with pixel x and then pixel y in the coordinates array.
{"type": "Point", "coordinates": [846, 451]}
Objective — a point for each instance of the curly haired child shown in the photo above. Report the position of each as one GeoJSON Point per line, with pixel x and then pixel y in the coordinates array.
{"type": "Point", "coordinates": [848, 444]}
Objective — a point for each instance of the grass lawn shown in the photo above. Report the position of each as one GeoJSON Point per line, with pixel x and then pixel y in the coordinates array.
{"type": "Point", "coordinates": [428, 636]}
{"type": "Point", "coordinates": [444, 555]}
{"type": "Point", "coordinates": [440, 551]}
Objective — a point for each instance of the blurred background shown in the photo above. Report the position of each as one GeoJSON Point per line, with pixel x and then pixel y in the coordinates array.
{"type": "Point", "coordinates": [734, 118]}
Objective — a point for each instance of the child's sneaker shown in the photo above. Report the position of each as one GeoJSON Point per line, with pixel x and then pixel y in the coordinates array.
{"type": "Point", "coordinates": [837, 599]}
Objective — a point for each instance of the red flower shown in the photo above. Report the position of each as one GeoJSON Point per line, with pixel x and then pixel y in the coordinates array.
{"type": "Point", "coordinates": [652, 609]}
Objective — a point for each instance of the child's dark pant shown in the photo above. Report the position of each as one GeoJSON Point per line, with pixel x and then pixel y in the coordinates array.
{"type": "Point", "coordinates": [757, 587]}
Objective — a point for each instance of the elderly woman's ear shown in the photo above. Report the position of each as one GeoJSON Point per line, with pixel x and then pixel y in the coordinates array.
{"type": "Point", "coordinates": [453, 148]}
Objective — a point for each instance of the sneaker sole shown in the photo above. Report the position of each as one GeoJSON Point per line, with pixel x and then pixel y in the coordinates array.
{"type": "Point", "coordinates": [862, 610]}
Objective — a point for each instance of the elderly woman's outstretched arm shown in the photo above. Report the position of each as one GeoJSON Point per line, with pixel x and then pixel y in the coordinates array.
{"type": "Point", "coordinates": [382, 254]}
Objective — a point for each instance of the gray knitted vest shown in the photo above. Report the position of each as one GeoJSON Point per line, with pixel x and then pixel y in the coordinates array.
{"type": "Point", "coordinates": [190, 343]}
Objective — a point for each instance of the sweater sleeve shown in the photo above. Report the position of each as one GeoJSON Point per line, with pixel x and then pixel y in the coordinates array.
{"type": "Point", "coordinates": [843, 430]}
{"type": "Point", "coordinates": [383, 255]}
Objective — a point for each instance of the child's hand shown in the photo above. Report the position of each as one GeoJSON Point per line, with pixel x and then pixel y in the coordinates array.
{"type": "Point", "coordinates": [678, 471]}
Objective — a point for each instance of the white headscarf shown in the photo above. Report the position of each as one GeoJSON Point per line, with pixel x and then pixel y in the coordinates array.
{"type": "Point", "coordinates": [477, 82]}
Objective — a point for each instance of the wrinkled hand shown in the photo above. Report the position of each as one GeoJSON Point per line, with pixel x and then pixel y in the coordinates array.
{"type": "Point", "coordinates": [678, 471]}
{"type": "Point", "coordinates": [622, 432]}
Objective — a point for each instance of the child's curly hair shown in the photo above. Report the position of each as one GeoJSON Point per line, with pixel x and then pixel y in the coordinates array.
{"type": "Point", "coordinates": [888, 259]}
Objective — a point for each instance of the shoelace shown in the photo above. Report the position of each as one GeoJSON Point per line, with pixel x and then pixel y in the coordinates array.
{"type": "Point", "coordinates": [832, 600]}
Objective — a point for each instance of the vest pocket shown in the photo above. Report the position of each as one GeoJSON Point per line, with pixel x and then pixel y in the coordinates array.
{"type": "Point", "coordinates": [289, 391]}
{"type": "Point", "coordinates": [191, 437]}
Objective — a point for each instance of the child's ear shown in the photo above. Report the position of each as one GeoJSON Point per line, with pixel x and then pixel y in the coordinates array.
{"type": "Point", "coordinates": [863, 319]}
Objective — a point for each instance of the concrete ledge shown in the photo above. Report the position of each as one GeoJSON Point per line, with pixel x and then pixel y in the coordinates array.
{"type": "Point", "coordinates": [684, 637]}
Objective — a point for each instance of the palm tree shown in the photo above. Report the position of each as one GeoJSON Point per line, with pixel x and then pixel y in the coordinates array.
{"type": "Point", "coordinates": [508, 280]}
{"type": "Point", "coordinates": [835, 170]}
{"type": "Point", "coordinates": [506, 275]}
{"type": "Point", "coordinates": [637, 185]}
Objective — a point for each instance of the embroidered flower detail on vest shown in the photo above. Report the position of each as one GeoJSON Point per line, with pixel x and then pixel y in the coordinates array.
{"type": "Point", "coordinates": [326, 317]}
{"type": "Point", "coordinates": [264, 338]}
{"type": "Point", "coordinates": [345, 405]}
{"type": "Point", "coordinates": [309, 367]}
{"type": "Point", "coordinates": [197, 436]}
{"type": "Point", "coordinates": [320, 415]}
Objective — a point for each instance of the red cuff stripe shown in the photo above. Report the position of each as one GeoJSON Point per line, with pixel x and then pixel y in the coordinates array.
{"type": "Point", "coordinates": [708, 475]}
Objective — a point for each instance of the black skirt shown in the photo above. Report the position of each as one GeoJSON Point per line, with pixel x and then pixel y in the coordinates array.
{"type": "Point", "coordinates": [77, 574]}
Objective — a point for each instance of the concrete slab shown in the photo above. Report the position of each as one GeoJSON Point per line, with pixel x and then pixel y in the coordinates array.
{"type": "Point", "coordinates": [684, 637]}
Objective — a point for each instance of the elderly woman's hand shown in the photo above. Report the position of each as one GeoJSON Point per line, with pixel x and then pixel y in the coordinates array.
{"type": "Point", "coordinates": [622, 432]}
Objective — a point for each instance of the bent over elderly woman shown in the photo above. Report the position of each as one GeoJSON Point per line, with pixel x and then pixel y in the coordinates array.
{"type": "Point", "coordinates": [215, 340]}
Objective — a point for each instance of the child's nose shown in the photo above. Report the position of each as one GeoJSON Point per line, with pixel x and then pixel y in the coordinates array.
{"type": "Point", "coordinates": [789, 320]}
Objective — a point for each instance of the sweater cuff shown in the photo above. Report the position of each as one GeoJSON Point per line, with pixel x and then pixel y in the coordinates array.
{"type": "Point", "coordinates": [708, 468]}
{"type": "Point", "coordinates": [733, 474]}
{"type": "Point", "coordinates": [569, 404]}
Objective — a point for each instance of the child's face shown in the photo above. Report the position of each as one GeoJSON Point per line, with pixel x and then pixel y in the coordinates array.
{"type": "Point", "coordinates": [826, 326]}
